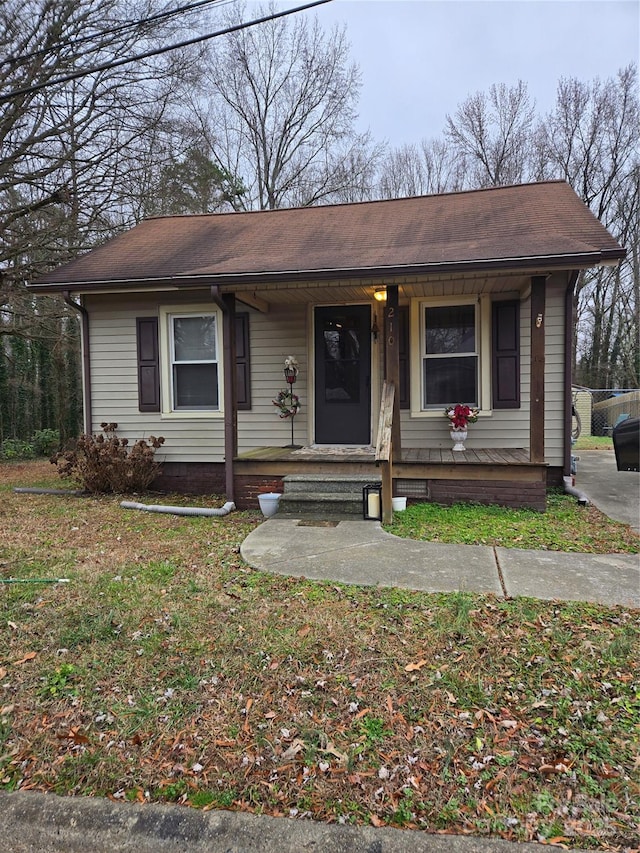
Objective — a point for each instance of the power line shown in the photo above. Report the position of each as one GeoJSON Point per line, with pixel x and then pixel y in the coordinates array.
{"type": "Point", "coordinates": [107, 66]}
{"type": "Point", "coordinates": [129, 25]}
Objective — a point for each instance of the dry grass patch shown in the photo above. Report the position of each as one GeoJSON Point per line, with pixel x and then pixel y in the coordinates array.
{"type": "Point", "coordinates": [168, 670]}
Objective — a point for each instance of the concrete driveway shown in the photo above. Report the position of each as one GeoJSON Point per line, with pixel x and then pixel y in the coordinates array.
{"type": "Point", "coordinates": [616, 493]}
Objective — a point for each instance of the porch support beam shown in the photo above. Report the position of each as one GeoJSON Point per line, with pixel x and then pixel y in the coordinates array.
{"type": "Point", "coordinates": [253, 301]}
{"type": "Point", "coordinates": [392, 363]}
{"type": "Point", "coordinates": [536, 406]}
{"type": "Point", "coordinates": [227, 304]}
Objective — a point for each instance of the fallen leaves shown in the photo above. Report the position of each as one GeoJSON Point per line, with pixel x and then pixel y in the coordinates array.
{"type": "Point", "coordinates": [415, 667]}
{"type": "Point", "coordinates": [29, 656]}
{"type": "Point", "coordinates": [450, 713]}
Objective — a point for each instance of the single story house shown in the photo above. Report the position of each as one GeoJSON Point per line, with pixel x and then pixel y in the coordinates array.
{"type": "Point", "coordinates": [187, 322]}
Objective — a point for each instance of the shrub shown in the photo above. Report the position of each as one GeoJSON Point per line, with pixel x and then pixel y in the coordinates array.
{"type": "Point", "coordinates": [15, 448]}
{"type": "Point", "coordinates": [46, 441]}
{"type": "Point", "coordinates": [105, 462]}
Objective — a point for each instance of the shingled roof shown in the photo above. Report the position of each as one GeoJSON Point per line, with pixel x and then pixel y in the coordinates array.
{"type": "Point", "coordinates": [525, 226]}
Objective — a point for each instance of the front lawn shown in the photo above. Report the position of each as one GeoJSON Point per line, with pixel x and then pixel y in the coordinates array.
{"type": "Point", "coordinates": [167, 670]}
{"type": "Point", "coordinates": [566, 526]}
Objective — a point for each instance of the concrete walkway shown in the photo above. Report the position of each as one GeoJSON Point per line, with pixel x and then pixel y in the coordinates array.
{"type": "Point", "coordinates": [616, 493]}
{"type": "Point", "coordinates": [362, 553]}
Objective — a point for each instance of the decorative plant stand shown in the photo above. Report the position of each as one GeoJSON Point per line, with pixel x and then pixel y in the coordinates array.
{"type": "Point", "coordinates": [287, 401]}
{"type": "Point", "coordinates": [458, 437]}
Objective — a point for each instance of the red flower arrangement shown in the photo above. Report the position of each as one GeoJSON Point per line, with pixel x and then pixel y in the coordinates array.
{"type": "Point", "coordinates": [460, 415]}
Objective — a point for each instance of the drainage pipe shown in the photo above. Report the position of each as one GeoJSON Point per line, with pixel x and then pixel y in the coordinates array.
{"type": "Point", "coordinates": [180, 510]}
{"type": "Point", "coordinates": [570, 489]}
{"type": "Point", "coordinates": [34, 490]}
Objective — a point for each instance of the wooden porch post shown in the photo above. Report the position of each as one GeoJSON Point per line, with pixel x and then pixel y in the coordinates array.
{"type": "Point", "coordinates": [536, 406]}
{"type": "Point", "coordinates": [392, 363]}
{"type": "Point", "coordinates": [230, 394]}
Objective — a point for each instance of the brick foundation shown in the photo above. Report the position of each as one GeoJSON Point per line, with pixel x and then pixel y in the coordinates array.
{"type": "Point", "coordinates": [196, 478]}
{"type": "Point", "coordinates": [501, 492]}
{"type": "Point", "coordinates": [191, 478]}
{"type": "Point", "coordinates": [248, 488]}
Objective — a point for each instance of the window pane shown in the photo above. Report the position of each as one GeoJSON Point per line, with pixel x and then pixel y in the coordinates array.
{"type": "Point", "coordinates": [342, 361]}
{"type": "Point", "coordinates": [194, 338]}
{"type": "Point", "coordinates": [451, 380]}
{"type": "Point", "coordinates": [195, 386]}
{"type": "Point", "coordinates": [450, 329]}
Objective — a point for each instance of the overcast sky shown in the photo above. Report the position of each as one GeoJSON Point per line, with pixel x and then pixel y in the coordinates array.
{"type": "Point", "coordinates": [420, 58]}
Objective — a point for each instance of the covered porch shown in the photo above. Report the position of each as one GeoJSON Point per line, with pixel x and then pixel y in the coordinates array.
{"type": "Point", "coordinates": [506, 476]}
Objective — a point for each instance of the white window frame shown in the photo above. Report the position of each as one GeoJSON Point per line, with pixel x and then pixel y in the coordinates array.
{"type": "Point", "coordinates": [167, 356]}
{"type": "Point", "coordinates": [418, 351]}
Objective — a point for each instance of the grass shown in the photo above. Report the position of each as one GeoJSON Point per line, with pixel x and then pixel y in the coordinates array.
{"type": "Point", "coordinates": [167, 670]}
{"type": "Point", "coordinates": [594, 442]}
{"type": "Point", "coordinates": [566, 526]}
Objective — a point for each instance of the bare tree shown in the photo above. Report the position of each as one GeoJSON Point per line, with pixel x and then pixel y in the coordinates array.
{"type": "Point", "coordinates": [69, 150]}
{"type": "Point", "coordinates": [492, 131]}
{"type": "Point", "coordinates": [429, 168]}
{"type": "Point", "coordinates": [281, 114]}
{"type": "Point", "coordinates": [591, 140]}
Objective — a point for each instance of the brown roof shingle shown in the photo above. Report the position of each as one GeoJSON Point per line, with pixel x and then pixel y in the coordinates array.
{"type": "Point", "coordinates": [543, 224]}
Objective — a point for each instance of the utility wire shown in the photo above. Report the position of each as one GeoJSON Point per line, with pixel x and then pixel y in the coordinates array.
{"type": "Point", "coordinates": [169, 13]}
{"type": "Point", "coordinates": [107, 66]}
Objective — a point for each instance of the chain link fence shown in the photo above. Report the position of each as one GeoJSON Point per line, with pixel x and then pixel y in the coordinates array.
{"type": "Point", "coordinates": [601, 409]}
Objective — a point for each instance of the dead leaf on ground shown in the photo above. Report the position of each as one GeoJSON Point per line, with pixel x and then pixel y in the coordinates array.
{"type": "Point", "coordinates": [290, 753]}
{"type": "Point", "coordinates": [412, 667]}
{"type": "Point", "coordinates": [29, 656]}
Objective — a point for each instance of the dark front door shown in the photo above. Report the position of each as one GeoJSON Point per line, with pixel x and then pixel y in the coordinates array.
{"type": "Point", "coordinates": [343, 374]}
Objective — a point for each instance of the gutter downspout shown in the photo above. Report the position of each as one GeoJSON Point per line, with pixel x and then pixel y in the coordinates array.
{"type": "Point", "coordinates": [227, 304]}
{"type": "Point", "coordinates": [86, 360]}
{"type": "Point", "coordinates": [568, 369]}
{"type": "Point", "coordinates": [567, 478]}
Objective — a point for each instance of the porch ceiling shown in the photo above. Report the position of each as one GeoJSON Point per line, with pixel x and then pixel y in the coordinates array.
{"type": "Point", "coordinates": [354, 290]}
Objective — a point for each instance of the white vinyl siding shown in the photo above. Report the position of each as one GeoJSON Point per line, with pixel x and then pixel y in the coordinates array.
{"type": "Point", "coordinates": [114, 378]}
{"type": "Point", "coordinates": [274, 336]}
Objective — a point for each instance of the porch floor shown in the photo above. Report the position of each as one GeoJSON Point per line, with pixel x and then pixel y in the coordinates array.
{"type": "Point", "coordinates": [502, 475]}
{"type": "Point", "coordinates": [410, 456]}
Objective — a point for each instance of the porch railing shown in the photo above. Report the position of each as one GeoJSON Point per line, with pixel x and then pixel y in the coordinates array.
{"type": "Point", "coordinates": [384, 449]}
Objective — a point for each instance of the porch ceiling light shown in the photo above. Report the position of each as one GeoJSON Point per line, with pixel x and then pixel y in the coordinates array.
{"type": "Point", "coordinates": [380, 293]}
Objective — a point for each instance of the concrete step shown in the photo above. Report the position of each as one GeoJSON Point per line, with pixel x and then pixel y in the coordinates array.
{"type": "Point", "coordinates": [328, 483]}
{"type": "Point", "coordinates": [321, 505]}
{"type": "Point", "coordinates": [322, 496]}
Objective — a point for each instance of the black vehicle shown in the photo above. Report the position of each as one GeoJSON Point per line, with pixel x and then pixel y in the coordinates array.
{"type": "Point", "coordinates": [626, 443]}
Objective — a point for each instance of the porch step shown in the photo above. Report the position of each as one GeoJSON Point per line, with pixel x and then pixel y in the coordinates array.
{"type": "Point", "coordinates": [324, 496]}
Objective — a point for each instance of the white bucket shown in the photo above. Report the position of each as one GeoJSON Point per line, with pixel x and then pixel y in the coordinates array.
{"type": "Point", "coordinates": [269, 503]}
{"type": "Point", "coordinates": [398, 504]}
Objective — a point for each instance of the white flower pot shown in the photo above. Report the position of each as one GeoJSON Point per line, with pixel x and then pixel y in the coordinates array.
{"type": "Point", "coordinates": [398, 504]}
{"type": "Point", "coordinates": [458, 437]}
{"type": "Point", "coordinates": [269, 503]}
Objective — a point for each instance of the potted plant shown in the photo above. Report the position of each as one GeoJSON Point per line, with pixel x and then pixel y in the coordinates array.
{"type": "Point", "coordinates": [460, 416]}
